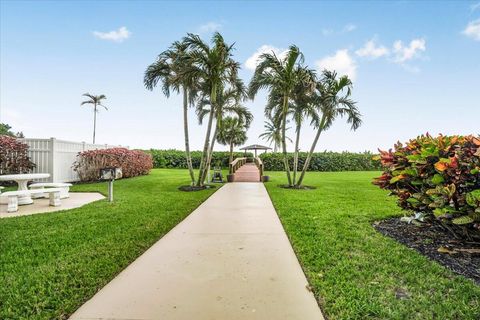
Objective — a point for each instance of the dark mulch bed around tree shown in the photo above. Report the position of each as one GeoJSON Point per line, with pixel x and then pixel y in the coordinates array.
{"type": "Point", "coordinates": [195, 188]}
{"type": "Point", "coordinates": [428, 239]}
{"type": "Point", "coordinates": [286, 186]}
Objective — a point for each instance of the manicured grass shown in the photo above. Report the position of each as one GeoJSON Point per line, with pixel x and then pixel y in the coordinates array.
{"type": "Point", "coordinates": [50, 264]}
{"type": "Point", "coordinates": [355, 272]}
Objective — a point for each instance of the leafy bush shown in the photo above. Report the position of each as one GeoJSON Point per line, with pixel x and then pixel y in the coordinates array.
{"type": "Point", "coordinates": [14, 156]}
{"type": "Point", "coordinates": [177, 159]}
{"type": "Point", "coordinates": [324, 161]}
{"type": "Point", "coordinates": [133, 162]}
{"type": "Point", "coordinates": [439, 176]}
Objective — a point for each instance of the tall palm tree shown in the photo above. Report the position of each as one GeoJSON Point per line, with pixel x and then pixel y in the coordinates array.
{"type": "Point", "coordinates": [97, 102]}
{"type": "Point", "coordinates": [228, 103]}
{"type": "Point", "coordinates": [333, 100]}
{"type": "Point", "coordinates": [280, 76]}
{"type": "Point", "coordinates": [172, 70]}
{"type": "Point", "coordinates": [232, 133]}
{"type": "Point", "coordinates": [302, 108]}
{"type": "Point", "coordinates": [215, 69]}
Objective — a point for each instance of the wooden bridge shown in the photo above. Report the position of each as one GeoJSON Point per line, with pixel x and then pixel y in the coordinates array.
{"type": "Point", "coordinates": [244, 171]}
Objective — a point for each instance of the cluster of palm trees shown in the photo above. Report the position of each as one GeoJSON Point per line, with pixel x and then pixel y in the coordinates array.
{"type": "Point", "coordinates": [207, 77]}
{"type": "Point", "coordinates": [297, 94]}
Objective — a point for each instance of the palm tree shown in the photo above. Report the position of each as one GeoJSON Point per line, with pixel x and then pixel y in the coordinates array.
{"type": "Point", "coordinates": [215, 69]}
{"type": "Point", "coordinates": [232, 133]}
{"type": "Point", "coordinates": [96, 101]}
{"type": "Point", "coordinates": [280, 76]}
{"type": "Point", "coordinates": [172, 70]}
{"type": "Point", "coordinates": [332, 100]}
{"type": "Point", "coordinates": [228, 103]}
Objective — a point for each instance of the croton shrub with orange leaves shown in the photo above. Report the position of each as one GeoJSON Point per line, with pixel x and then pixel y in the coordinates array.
{"type": "Point", "coordinates": [438, 176]}
{"type": "Point", "coordinates": [133, 162]}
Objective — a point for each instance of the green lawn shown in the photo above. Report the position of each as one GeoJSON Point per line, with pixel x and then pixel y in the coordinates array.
{"type": "Point", "coordinates": [51, 263]}
{"type": "Point", "coordinates": [356, 272]}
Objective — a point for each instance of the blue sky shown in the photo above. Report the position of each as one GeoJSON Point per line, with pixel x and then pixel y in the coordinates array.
{"type": "Point", "coordinates": [416, 65]}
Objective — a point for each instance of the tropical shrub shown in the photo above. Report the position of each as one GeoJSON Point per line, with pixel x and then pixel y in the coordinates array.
{"type": "Point", "coordinates": [14, 156]}
{"type": "Point", "coordinates": [439, 176]}
{"type": "Point", "coordinates": [133, 162]}
{"type": "Point", "coordinates": [324, 161]}
{"type": "Point", "coordinates": [177, 159]}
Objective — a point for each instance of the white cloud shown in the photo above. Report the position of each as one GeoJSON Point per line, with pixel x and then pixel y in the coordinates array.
{"type": "Point", "coordinates": [116, 35]}
{"type": "Point", "coordinates": [372, 50]}
{"type": "Point", "coordinates": [404, 53]}
{"type": "Point", "coordinates": [209, 27]}
{"type": "Point", "coordinates": [349, 27]}
{"type": "Point", "coordinates": [341, 62]}
{"type": "Point", "coordinates": [473, 30]}
{"type": "Point", "coordinates": [252, 61]}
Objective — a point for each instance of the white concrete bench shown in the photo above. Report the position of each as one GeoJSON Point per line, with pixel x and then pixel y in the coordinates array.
{"type": "Point", "coordinates": [61, 185]}
{"type": "Point", "coordinates": [13, 197]}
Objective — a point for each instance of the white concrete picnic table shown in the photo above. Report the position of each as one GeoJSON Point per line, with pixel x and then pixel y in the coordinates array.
{"type": "Point", "coordinates": [22, 180]}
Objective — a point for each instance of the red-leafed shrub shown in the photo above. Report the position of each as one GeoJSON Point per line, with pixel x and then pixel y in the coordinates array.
{"type": "Point", "coordinates": [439, 177]}
{"type": "Point", "coordinates": [133, 162]}
{"type": "Point", "coordinates": [13, 156]}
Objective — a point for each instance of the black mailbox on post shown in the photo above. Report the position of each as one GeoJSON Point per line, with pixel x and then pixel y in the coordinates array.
{"type": "Point", "coordinates": [110, 174]}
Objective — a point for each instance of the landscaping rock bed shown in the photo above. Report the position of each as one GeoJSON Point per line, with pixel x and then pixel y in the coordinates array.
{"type": "Point", "coordinates": [435, 243]}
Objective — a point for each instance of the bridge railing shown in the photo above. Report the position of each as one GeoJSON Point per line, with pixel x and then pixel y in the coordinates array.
{"type": "Point", "coordinates": [235, 164]}
{"type": "Point", "coordinates": [259, 164]}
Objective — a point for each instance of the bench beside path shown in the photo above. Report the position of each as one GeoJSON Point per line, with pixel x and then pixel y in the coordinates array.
{"type": "Point", "coordinates": [229, 259]}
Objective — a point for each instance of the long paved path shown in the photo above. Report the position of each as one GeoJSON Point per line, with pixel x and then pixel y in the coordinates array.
{"type": "Point", "coordinates": [230, 259]}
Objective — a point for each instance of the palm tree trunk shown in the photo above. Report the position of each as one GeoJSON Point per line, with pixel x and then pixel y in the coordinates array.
{"type": "Point", "coordinates": [231, 153]}
{"type": "Point", "coordinates": [187, 141]}
{"type": "Point", "coordinates": [310, 153]}
{"type": "Point", "coordinates": [203, 162]}
{"type": "Point", "coordinates": [295, 156]}
{"type": "Point", "coordinates": [94, 121]}
{"type": "Point", "coordinates": [284, 141]}
{"type": "Point", "coordinates": [210, 152]}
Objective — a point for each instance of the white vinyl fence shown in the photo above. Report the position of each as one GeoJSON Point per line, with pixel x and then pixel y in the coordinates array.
{"type": "Point", "coordinates": [57, 157]}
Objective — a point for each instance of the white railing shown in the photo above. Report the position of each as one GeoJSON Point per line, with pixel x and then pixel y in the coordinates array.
{"type": "Point", "coordinates": [57, 157]}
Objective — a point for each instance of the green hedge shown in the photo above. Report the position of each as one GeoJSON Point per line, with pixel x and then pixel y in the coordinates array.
{"type": "Point", "coordinates": [325, 161]}
{"type": "Point", "coordinates": [176, 158]}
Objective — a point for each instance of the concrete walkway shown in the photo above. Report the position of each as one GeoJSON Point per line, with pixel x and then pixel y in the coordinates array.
{"type": "Point", "coordinates": [230, 259]}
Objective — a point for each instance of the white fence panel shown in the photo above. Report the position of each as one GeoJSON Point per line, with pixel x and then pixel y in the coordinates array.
{"type": "Point", "coordinates": [57, 157]}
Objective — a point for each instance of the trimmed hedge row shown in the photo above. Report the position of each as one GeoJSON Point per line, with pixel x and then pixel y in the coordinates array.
{"type": "Point", "coordinates": [177, 159]}
{"type": "Point", "coordinates": [324, 161]}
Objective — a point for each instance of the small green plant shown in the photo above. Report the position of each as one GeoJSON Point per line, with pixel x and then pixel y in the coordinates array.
{"type": "Point", "coordinates": [438, 176]}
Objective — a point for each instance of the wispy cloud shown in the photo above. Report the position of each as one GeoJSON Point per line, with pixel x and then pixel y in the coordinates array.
{"type": "Point", "coordinates": [210, 27]}
{"type": "Point", "coordinates": [400, 53]}
{"type": "Point", "coordinates": [372, 50]}
{"type": "Point", "coordinates": [116, 35]}
{"type": "Point", "coordinates": [473, 30]}
{"type": "Point", "coordinates": [341, 62]}
{"type": "Point", "coordinates": [405, 53]}
{"type": "Point", "coordinates": [349, 27]}
{"type": "Point", "coordinates": [252, 61]}
{"type": "Point", "coordinates": [346, 29]}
